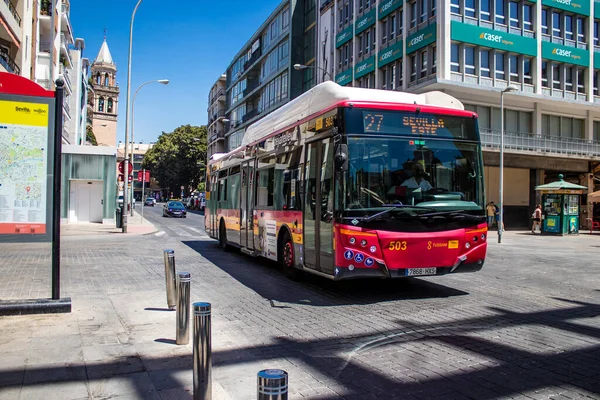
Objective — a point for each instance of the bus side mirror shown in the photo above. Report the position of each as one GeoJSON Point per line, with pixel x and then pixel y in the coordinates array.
{"type": "Point", "coordinates": [341, 157]}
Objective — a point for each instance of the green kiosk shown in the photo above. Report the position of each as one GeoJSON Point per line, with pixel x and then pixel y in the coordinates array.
{"type": "Point", "coordinates": [560, 207]}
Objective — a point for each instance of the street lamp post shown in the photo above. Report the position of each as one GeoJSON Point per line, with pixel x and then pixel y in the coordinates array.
{"type": "Point", "coordinates": [126, 166]}
{"type": "Point", "coordinates": [501, 189]}
{"type": "Point", "coordinates": [300, 67]}
{"type": "Point", "coordinates": [162, 81]}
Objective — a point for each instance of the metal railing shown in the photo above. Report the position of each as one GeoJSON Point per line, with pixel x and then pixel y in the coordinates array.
{"type": "Point", "coordinates": [540, 143]}
{"type": "Point", "coordinates": [65, 74]}
{"type": "Point", "coordinates": [14, 12]}
{"type": "Point", "coordinates": [9, 63]}
{"type": "Point", "coordinates": [66, 106]}
{"type": "Point", "coordinates": [220, 92]}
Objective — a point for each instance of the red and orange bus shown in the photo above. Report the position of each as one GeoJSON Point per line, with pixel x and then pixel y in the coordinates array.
{"type": "Point", "coordinates": [355, 183]}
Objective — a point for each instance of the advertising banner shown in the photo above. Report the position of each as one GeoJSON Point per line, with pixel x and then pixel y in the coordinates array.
{"type": "Point", "coordinates": [575, 6]}
{"type": "Point", "coordinates": [421, 38]}
{"type": "Point", "coordinates": [390, 54]}
{"type": "Point", "coordinates": [364, 22]}
{"type": "Point", "coordinates": [343, 36]}
{"type": "Point", "coordinates": [24, 157]}
{"type": "Point", "coordinates": [364, 67]}
{"type": "Point", "coordinates": [387, 7]}
{"type": "Point", "coordinates": [344, 77]}
{"type": "Point", "coordinates": [494, 39]}
{"type": "Point", "coordinates": [565, 54]}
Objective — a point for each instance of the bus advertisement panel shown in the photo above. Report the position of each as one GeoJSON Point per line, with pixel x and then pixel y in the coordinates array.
{"type": "Point", "coordinates": [368, 184]}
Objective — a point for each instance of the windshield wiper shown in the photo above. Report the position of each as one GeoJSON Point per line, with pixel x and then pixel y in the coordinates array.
{"type": "Point", "coordinates": [456, 214]}
{"type": "Point", "coordinates": [393, 207]}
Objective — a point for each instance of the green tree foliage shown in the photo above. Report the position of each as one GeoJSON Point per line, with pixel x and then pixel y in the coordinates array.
{"type": "Point", "coordinates": [89, 136]}
{"type": "Point", "coordinates": [177, 159]}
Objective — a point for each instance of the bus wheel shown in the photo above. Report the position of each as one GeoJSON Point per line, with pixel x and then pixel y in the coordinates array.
{"type": "Point", "coordinates": [223, 237]}
{"type": "Point", "coordinates": [286, 258]}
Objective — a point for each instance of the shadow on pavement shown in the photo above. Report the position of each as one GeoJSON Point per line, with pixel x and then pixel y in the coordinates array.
{"type": "Point", "coordinates": [268, 280]}
{"type": "Point", "coordinates": [470, 366]}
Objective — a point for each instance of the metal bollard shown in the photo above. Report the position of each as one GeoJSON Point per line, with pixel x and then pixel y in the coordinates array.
{"type": "Point", "coordinates": [272, 384]}
{"type": "Point", "coordinates": [202, 352]}
{"type": "Point", "coordinates": [170, 278]}
{"type": "Point", "coordinates": [183, 308]}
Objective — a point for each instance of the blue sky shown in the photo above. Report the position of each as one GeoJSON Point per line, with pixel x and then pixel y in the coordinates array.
{"type": "Point", "coordinates": [188, 42]}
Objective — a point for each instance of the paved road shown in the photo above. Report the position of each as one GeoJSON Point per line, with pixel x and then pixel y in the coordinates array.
{"type": "Point", "coordinates": [526, 326]}
{"type": "Point", "coordinates": [191, 226]}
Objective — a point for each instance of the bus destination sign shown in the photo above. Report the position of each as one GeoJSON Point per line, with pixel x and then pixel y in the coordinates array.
{"type": "Point", "coordinates": [418, 124]}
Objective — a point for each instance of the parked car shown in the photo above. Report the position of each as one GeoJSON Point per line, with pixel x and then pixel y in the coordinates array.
{"type": "Point", "coordinates": [174, 209]}
{"type": "Point", "coordinates": [202, 203]}
{"type": "Point", "coordinates": [149, 202]}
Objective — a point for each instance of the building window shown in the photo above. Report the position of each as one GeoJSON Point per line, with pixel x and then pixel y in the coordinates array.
{"type": "Point", "coordinates": [433, 60]}
{"type": "Point", "coordinates": [500, 12]}
{"type": "Point", "coordinates": [413, 14]}
{"type": "Point", "coordinates": [455, 7]}
{"type": "Point", "coordinates": [556, 76]}
{"type": "Point", "coordinates": [101, 104]}
{"type": "Point", "coordinates": [470, 8]}
{"type": "Point", "coordinates": [545, 22]}
{"type": "Point", "coordinates": [580, 81]}
{"type": "Point", "coordinates": [484, 63]}
{"type": "Point", "coordinates": [513, 14]}
{"type": "Point", "coordinates": [454, 58]}
{"type": "Point", "coordinates": [528, 17]}
{"type": "Point", "coordinates": [424, 10]}
{"type": "Point", "coordinates": [110, 106]}
{"type": "Point", "coordinates": [596, 32]}
{"type": "Point", "coordinates": [556, 24]}
{"type": "Point", "coordinates": [285, 18]}
{"type": "Point", "coordinates": [500, 67]}
{"type": "Point", "coordinates": [513, 61]}
{"type": "Point", "coordinates": [569, 78]}
{"type": "Point", "coordinates": [413, 68]}
{"type": "Point", "coordinates": [553, 125]}
{"type": "Point", "coordinates": [545, 74]}
{"type": "Point", "coordinates": [527, 71]}
{"type": "Point", "coordinates": [423, 63]}
{"type": "Point", "coordinates": [470, 60]}
{"type": "Point", "coordinates": [484, 11]}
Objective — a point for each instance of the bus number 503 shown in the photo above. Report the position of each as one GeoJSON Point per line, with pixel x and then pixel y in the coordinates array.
{"type": "Point", "coordinates": [397, 246]}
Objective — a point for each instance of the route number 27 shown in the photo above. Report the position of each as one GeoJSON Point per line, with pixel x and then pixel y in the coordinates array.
{"type": "Point", "coordinates": [397, 246]}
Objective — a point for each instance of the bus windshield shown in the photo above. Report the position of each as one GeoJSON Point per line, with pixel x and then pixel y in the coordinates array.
{"type": "Point", "coordinates": [422, 173]}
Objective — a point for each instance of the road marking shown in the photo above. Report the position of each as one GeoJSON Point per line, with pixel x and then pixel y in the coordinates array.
{"type": "Point", "coordinates": [161, 233]}
{"type": "Point", "coordinates": [199, 231]}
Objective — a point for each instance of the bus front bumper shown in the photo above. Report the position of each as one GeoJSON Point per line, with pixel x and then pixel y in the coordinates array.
{"type": "Point", "coordinates": [343, 273]}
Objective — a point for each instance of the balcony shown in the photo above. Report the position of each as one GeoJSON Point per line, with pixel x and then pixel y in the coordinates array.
{"type": "Point", "coordinates": [66, 21]}
{"type": "Point", "coordinates": [8, 63]}
{"type": "Point", "coordinates": [249, 115]}
{"type": "Point", "coordinates": [12, 17]}
{"type": "Point", "coordinates": [64, 46]}
{"type": "Point", "coordinates": [549, 145]}
{"type": "Point", "coordinates": [220, 95]}
{"type": "Point", "coordinates": [65, 74]}
{"type": "Point", "coordinates": [66, 106]}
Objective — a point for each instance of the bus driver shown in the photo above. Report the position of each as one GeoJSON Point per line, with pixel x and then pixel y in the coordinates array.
{"type": "Point", "coordinates": [417, 180]}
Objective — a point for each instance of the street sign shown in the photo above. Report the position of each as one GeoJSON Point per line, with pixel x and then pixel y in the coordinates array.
{"type": "Point", "coordinates": [122, 166]}
{"type": "Point", "coordinates": [142, 178]}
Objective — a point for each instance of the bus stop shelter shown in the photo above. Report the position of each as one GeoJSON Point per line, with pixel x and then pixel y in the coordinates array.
{"type": "Point", "coordinates": [560, 207]}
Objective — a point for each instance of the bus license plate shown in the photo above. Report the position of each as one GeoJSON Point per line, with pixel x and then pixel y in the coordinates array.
{"type": "Point", "coordinates": [420, 271]}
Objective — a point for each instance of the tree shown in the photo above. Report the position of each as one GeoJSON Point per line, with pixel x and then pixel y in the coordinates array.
{"type": "Point", "coordinates": [89, 136]}
{"type": "Point", "coordinates": [178, 158]}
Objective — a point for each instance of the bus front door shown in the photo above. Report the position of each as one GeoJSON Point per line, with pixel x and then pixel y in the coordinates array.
{"type": "Point", "coordinates": [212, 209]}
{"type": "Point", "coordinates": [318, 206]}
{"type": "Point", "coordinates": [247, 206]}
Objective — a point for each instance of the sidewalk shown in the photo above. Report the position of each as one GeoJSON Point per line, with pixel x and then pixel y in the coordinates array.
{"type": "Point", "coordinates": [135, 226]}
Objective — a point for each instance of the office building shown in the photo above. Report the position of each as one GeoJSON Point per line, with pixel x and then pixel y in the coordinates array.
{"type": "Point", "coordinates": [474, 49]}
{"type": "Point", "coordinates": [261, 77]}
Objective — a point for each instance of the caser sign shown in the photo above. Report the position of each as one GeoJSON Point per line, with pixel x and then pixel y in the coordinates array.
{"type": "Point", "coordinates": [491, 37]}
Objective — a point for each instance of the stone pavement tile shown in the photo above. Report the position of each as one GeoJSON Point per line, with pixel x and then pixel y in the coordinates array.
{"type": "Point", "coordinates": [72, 341]}
{"type": "Point", "coordinates": [100, 338]}
{"type": "Point", "coordinates": [10, 393]}
{"type": "Point", "coordinates": [133, 386]}
{"type": "Point", "coordinates": [56, 391]}
{"type": "Point", "coordinates": [179, 394]}
{"type": "Point", "coordinates": [111, 368]}
{"type": "Point", "coordinates": [172, 378]}
{"type": "Point", "coordinates": [53, 372]}
{"type": "Point", "coordinates": [49, 355]}
{"type": "Point", "coordinates": [108, 352]}
{"type": "Point", "coordinates": [12, 371]}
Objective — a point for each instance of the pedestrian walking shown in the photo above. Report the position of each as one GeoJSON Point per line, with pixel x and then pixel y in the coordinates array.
{"type": "Point", "coordinates": [491, 211]}
{"type": "Point", "coordinates": [537, 219]}
{"type": "Point", "coordinates": [497, 215]}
